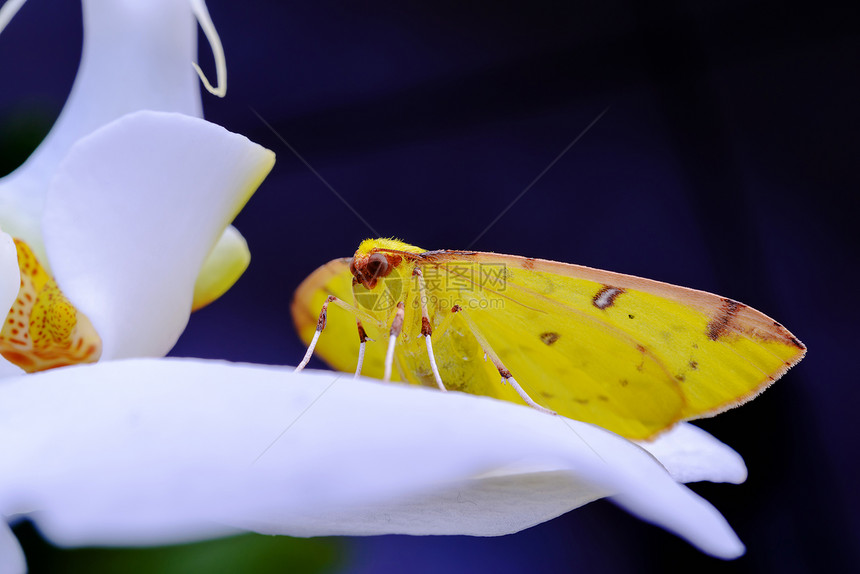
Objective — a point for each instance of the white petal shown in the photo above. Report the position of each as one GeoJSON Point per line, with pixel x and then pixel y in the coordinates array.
{"type": "Point", "coordinates": [690, 455]}
{"type": "Point", "coordinates": [133, 212]}
{"type": "Point", "coordinates": [11, 556]}
{"type": "Point", "coordinates": [10, 282]}
{"type": "Point", "coordinates": [136, 55]}
{"type": "Point", "coordinates": [8, 369]}
{"type": "Point", "coordinates": [10, 279]}
{"type": "Point", "coordinates": [147, 450]}
{"type": "Point", "coordinates": [493, 505]}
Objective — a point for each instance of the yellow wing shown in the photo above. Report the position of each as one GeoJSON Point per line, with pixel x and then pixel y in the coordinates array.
{"type": "Point", "coordinates": [629, 354]}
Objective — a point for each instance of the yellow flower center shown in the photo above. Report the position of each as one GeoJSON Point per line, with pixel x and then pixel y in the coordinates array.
{"type": "Point", "coordinates": [43, 330]}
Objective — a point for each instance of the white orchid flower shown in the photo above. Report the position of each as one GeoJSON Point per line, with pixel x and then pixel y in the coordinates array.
{"type": "Point", "coordinates": [152, 451]}
{"type": "Point", "coordinates": [105, 183]}
{"type": "Point", "coordinates": [122, 207]}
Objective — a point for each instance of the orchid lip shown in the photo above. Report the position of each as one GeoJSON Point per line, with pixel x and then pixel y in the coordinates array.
{"type": "Point", "coordinates": [317, 456]}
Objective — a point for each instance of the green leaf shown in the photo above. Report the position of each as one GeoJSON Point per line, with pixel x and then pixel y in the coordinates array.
{"type": "Point", "coordinates": [247, 553]}
{"type": "Point", "coordinates": [21, 131]}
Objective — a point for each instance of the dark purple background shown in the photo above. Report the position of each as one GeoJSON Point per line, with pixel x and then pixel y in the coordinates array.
{"type": "Point", "coordinates": [726, 161]}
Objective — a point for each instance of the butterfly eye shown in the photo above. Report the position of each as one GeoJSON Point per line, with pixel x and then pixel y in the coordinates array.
{"type": "Point", "coordinates": [377, 265]}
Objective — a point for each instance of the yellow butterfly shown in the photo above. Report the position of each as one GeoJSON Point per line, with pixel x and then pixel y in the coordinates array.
{"type": "Point", "coordinates": [631, 355]}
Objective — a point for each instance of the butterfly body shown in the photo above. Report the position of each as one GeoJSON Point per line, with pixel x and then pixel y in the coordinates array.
{"type": "Point", "coordinates": [456, 348]}
{"type": "Point", "coordinates": [629, 354]}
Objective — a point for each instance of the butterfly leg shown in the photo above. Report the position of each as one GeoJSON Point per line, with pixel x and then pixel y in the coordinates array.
{"type": "Point", "coordinates": [320, 326]}
{"type": "Point", "coordinates": [506, 375]}
{"type": "Point", "coordinates": [396, 328]}
{"type": "Point", "coordinates": [362, 338]}
{"type": "Point", "coordinates": [426, 327]}
{"type": "Point", "coordinates": [321, 322]}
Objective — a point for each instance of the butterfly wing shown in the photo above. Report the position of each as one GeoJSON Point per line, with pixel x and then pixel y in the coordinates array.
{"type": "Point", "coordinates": [629, 354]}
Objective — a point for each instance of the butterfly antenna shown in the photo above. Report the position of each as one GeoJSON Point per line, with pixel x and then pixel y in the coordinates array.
{"type": "Point", "coordinates": [539, 176]}
{"type": "Point", "coordinates": [314, 171]}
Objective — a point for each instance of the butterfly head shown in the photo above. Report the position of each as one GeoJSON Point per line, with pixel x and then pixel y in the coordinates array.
{"type": "Point", "coordinates": [369, 268]}
{"type": "Point", "coordinates": [376, 259]}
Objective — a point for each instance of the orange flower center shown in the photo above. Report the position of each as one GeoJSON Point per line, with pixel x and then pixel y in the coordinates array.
{"type": "Point", "coordinates": [43, 330]}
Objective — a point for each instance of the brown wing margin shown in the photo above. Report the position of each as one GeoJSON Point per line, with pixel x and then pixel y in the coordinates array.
{"type": "Point", "coordinates": [727, 315]}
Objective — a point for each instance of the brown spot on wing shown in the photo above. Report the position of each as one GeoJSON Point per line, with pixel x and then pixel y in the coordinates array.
{"type": "Point", "coordinates": [549, 337]}
{"type": "Point", "coordinates": [606, 296]}
{"type": "Point", "coordinates": [721, 322]}
{"type": "Point", "coordinates": [528, 263]}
